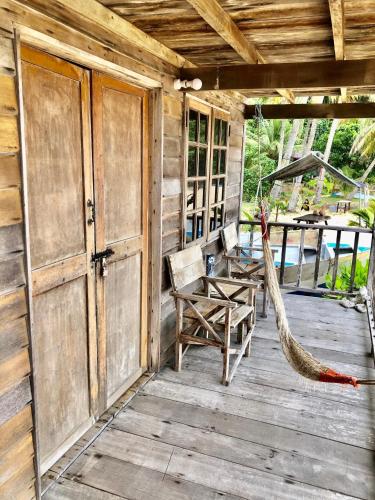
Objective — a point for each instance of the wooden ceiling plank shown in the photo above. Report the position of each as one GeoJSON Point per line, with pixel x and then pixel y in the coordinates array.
{"type": "Point", "coordinates": [304, 75]}
{"type": "Point", "coordinates": [298, 111]}
{"type": "Point", "coordinates": [212, 12]}
{"type": "Point", "coordinates": [337, 13]}
{"type": "Point", "coordinates": [104, 18]}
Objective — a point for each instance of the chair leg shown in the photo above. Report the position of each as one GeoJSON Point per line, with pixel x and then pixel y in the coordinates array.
{"type": "Point", "coordinates": [225, 379]}
{"type": "Point", "coordinates": [250, 326]}
{"type": "Point", "coordinates": [251, 321]}
{"type": "Point", "coordinates": [240, 332]}
{"type": "Point", "coordinates": [179, 325]}
{"type": "Point", "coordinates": [265, 299]}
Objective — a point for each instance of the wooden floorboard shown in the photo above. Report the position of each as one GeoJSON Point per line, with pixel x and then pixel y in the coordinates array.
{"type": "Point", "coordinates": [269, 435]}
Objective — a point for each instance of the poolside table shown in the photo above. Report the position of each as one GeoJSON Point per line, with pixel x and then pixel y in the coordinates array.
{"type": "Point", "coordinates": [343, 205]}
{"type": "Point", "coordinates": [312, 218]}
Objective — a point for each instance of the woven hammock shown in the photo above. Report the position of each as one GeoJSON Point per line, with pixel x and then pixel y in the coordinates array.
{"type": "Point", "coordinates": [300, 360]}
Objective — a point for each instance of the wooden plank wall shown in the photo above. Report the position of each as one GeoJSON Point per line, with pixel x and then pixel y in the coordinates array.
{"type": "Point", "coordinates": [16, 440]}
{"type": "Point", "coordinates": [173, 168]}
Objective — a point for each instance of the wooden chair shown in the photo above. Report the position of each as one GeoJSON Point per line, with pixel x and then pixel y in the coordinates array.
{"type": "Point", "coordinates": [216, 318]}
{"type": "Point", "coordinates": [240, 264]}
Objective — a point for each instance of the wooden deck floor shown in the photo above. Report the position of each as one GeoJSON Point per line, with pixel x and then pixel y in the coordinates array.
{"type": "Point", "coordinates": [269, 435]}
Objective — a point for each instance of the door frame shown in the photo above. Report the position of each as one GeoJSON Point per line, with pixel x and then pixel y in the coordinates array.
{"type": "Point", "coordinates": [25, 35]}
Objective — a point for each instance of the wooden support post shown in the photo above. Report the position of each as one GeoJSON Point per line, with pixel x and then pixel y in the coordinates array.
{"type": "Point", "coordinates": [317, 260]}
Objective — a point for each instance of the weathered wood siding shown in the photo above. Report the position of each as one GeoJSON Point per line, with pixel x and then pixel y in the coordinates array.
{"type": "Point", "coordinates": [67, 39]}
{"type": "Point", "coordinates": [173, 179]}
{"type": "Point", "coordinates": [16, 440]}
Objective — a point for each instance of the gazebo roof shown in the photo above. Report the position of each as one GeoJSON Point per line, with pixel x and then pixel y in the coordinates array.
{"type": "Point", "coordinates": [312, 162]}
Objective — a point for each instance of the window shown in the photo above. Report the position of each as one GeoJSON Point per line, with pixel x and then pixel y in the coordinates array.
{"type": "Point", "coordinates": [206, 166]}
{"type": "Point", "coordinates": [196, 185]}
{"type": "Point", "coordinates": [218, 172]}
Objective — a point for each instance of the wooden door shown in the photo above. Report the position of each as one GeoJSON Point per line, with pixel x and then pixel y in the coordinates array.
{"type": "Point", "coordinates": [58, 152]}
{"type": "Point", "coordinates": [120, 169]}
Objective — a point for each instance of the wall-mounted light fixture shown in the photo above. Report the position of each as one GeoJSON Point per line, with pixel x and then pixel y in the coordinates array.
{"type": "Point", "coordinates": [195, 84]}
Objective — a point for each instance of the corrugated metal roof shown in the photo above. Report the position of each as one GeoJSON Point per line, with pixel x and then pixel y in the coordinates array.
{"type": "Point", "coordinates": [312, 162]}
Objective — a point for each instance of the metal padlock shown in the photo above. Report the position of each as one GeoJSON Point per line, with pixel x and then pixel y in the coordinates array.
{"type": "Point", "coordinates": [104, 267]}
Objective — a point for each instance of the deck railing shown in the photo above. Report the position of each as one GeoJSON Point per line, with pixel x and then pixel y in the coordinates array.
{"type": "Point", "coordinates": [298, 279]}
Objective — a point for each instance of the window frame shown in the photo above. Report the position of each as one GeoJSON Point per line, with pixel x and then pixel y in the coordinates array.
{"type": "Point", "coordinates": [212, 113]}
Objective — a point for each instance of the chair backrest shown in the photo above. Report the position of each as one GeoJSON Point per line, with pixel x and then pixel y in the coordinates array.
{"type": "Point", "coordinates": [186, 266]}
{"type": "Point", "coordinates": [229, 237]}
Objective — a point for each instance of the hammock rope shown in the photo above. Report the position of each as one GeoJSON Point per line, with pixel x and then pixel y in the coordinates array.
{"type": "Point", "coordinates": [300, 360]}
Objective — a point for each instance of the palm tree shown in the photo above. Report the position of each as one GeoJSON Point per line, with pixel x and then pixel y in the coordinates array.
{"type": "Point", "coordinates": [327, 153]}
{"type": "Point", "coordinates": [365, 145]}
{"type": "Point", "coordinates": [311, 128]}
{"type": "Point", "coordinates": [270, 133]}
{"type": "Point", "coordinates": [287, 154]}
{"type": "Point", "coordinates": [365, 216]}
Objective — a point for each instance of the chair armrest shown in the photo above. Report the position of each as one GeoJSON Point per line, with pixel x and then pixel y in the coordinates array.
{"type": "Point", "coordinates": [255, 249]}
{"type": "Point", "coordinates": [246, 247]}
{"type": "Point", "coordinates": [242, 258]}
{"type": "Point", "coordinates": [202, 298]}
{"type": "Point", "coordinates": [229, 281]}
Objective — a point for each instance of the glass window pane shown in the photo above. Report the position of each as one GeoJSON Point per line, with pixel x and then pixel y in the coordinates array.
{"type": "Point", "coordinates": [190, 228]}
{"type": "Point", "coordinates": [220, 215]}
{"type": "Point", "coordinates": [215, 162]}
{"type": "Point", "coordinates": [220, 191]}
{"type": "Point", "coordinates": [217, 132]}
{"type": "Point", "coordinates": [213, 192]}
{"type": "Point", "coordinates": [203, 124]}
{"type": "Point", "coordinates": [202, 162]}
{"type": "Point", "coordinates": [192, 161]}
{"type": "Point", "coordinates": [224, 133]}
{"type": "Point", "coordinates": [200, 224]}
{"type": "Point", "coordinates": [193, 125]}
{"type": "Point", "coordinates": [190, 196]}
{"type": "Point", "coordinates": [201, 191]}
{"type": "Point", "coordinates": [212, 219]}
{"type": "Point", "coordinates": [223, 155]}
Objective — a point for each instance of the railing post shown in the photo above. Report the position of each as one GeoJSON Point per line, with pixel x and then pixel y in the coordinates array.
{"type": "Point", "coordinates": [336, 262]}
{"type": "Point", "coordinates": [300, 257]}
{"type": "Point", "coordinates": [354, 262]}
{"type": "Point", "coordinates": [283, 254]}
{"type": "Point", "coordinates": [317, 260]}
{"type": "Point", "coordinates": [251, 240]}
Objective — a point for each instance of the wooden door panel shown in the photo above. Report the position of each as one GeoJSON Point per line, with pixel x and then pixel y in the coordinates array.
{"type": "Point", "coordinates": [122, 116]}
{"type": "Point", "coordinates": [58, 153]}
{"type": "Point", "coordinates": [120, 163]}
{"type": "Point", "coordinates": [55, 172]}
{"type": "Point", "coordinates": [123, 321]}
{"type": "Point", "coordinates": [60, 347]}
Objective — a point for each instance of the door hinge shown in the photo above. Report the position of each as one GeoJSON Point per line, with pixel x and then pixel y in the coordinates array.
{"type": "Point", "coordinates": [91, 205]}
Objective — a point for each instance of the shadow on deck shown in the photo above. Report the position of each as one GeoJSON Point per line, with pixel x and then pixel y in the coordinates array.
{"type": "Point", "coordinates": [269, 435]}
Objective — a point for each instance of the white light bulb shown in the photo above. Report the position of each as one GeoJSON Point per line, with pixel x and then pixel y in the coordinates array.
{"type": "Point", "coordinates": [196, 84]}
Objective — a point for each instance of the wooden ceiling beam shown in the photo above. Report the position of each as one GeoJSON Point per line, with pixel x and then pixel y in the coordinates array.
{"type": "Point", "coordinates": [303, 75]}
{"type": "Point", "coordinates": [214, 15]}
{"type": "Point", "coordinates": [298, 111]}
{"type": "Point", "coordinates": [336, 8]}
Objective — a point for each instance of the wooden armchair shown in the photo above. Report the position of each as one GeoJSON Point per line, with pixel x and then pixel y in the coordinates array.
{"type": "Point", "coordinates": [216, 318]}
{"type": "Point", "coordinates": [240, 263]}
